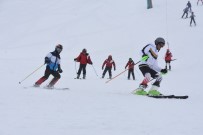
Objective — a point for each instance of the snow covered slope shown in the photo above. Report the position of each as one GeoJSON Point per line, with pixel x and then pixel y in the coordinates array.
{"type": "Point", "coordinates": [30, 29]}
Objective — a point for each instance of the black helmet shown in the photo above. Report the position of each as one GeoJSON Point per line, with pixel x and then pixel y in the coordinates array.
{"type": "Point", "coordinates": [84, 50]}
{"type": "Point", "coordinates": [159, 40]}
{"type": "Point", "coordinates": [59, 48]}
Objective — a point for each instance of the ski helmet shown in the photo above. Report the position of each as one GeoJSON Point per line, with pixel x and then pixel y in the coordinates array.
{"type": "Point", "coordinates": [59, 48]}
{"type": "Point", "coordinates": [159, 40]}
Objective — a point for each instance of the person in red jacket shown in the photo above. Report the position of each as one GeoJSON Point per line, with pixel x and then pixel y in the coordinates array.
{"type": "Point", "coordinates": [109, 63]}
{"type": "Point", "coordinates": [130, 66]}
{"type": "Point", "coordinates": [168, 59]}
{"type": "Point", "coordinates": [84, 59]}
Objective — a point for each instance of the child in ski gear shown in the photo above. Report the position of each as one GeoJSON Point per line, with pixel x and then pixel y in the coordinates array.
{"type": "Point", "coordinates": [192, 19]}
{"type": "Point", "coordinates": [185, 11]}
{"type": "Point", "coordinates": [109, 62]}
{"type": "Point", "coordinates": [130, 66]}
{"type": "Point", "coordinates": [84, 59]}
{"type": "Point", "coordinates": [168, 56]}
{"type": "Point", "coordinates": [189, 5]}
{"type": "Point", "coordinates": [198, 1]}
{"type": "Point", "coordinates": [53, 67]}
{"type": "Point", "coordinates": [149, 68]}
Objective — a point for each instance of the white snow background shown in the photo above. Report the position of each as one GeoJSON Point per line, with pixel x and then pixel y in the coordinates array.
{"type": "Point", "coordinates": [30, 29]}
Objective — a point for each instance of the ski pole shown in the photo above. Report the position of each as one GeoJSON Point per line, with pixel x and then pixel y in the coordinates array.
{"type": "Point", "coordinates": [75, 68]}
{"type": "Point", "coordinates": [94, 70]}
{"type": "Point", "coordinates": [120, 73]}
{"type": "Point", "coordinates": [31, 73]}
{"type": "Point", "coordinates": [173, 59]}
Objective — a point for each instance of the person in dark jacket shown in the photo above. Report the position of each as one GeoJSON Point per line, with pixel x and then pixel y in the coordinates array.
{"type": "Point", "coordinates": [189, 5]}
{"type": "Point", "coordinates": [185, 11]}
{"type": "Point", "coordinates": [84, 59]}
{"type": "Point", "coordinates": [53, 67]}
{"type": "Point", "coordinates": [108, 63]}
{"type": "Point", "coordinates": [168, 59]}
{"type": "Point", "coordinates": [130, 66]}
{"type": "Point", "coordinates": [192, 19]}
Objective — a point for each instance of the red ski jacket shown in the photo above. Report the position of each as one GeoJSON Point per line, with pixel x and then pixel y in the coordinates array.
{"type": "Point", "coordinates": [168, 56]}
{"type": "Point", "coordinates": [130, 65]}
{"type": "Point", "coordinates": [84, 58]}
{"type": "Point", "coordinates": [109, 63]}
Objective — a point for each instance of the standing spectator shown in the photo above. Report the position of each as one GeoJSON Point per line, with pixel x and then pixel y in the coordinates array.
{"type": "Point", "coordinates": [192, 19]}
{"type": "Point", "coordinates": [109, 62]}
{"type": "Point", "coordinates": [84, 59]}
{"type": "Point", "coordinates": [53, 67]}
{"type": "Point", "coordinates": [198, 1]}
{"type": "Point", "coordinates": [168, 57]}
{"type": "Point", "coordinates": [185, 11]}
{"type": "Point", "coordinates": [189, 6]}
{"type": "Point", "coordinates": [130, 66]}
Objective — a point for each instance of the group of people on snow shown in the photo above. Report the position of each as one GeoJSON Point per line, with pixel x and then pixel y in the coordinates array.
{"type": "Point", "coordinates": [188, 9]}
{"type": "Point", "coordinates": [148, 66]}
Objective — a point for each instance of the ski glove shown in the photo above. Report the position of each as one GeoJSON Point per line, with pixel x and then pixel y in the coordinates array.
{"type": "Point", "coordinates": [164, 71]}
{"type": "Point", "coordinates": [47, 60]}
{"type": "Point", "coordinates": [144, 57]}
{"type": "Point", "coordinates": [60, 70]}
{"type": "Point", "coordinates": [75, 59]}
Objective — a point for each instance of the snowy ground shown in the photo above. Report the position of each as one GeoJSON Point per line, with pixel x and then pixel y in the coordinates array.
{"type": "Point", "coordinates": [30, 29]}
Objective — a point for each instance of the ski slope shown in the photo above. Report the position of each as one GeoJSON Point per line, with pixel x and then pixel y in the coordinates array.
{"type": "Point", "coordinates": [31, 29]}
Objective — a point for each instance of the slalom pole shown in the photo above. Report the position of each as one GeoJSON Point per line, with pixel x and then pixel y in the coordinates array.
{"type": "Point", "coordinates": [120, 73]}
{"type": "Point", "coordinates": [31, 73]}
{"type": "Point", "coordinates": [94, 70]}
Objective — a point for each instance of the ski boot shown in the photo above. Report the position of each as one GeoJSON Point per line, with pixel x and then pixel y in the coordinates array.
{"type": "Point", "coordinates": [140, 90]}
{"type": "Point", "coordinates": [36, 85]}
{"type": "Point", "coordinates": [154, 91]}
{"type": "Point", "coordinates": [84, 76]}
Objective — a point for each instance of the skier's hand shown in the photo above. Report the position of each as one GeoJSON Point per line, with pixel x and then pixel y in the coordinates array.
{"type": "Point", "coordinates": [164, 71]}
{"type": "Point", "coordinates": [75, 59]}
{"type": "Point", "coordinates": [114, 69]}
{"type": "Point", "coordinates": [60, 70]}
{"type": "Point", "coordinates": [47, 60]}
{"type": "Point", "coordinates": [144, 57]}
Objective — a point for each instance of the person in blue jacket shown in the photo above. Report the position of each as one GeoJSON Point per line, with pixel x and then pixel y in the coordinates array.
{"type": "Point", "coordinates": [53, 67]}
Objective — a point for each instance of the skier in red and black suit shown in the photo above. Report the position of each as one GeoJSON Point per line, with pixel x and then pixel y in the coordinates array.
{"type": "Point", "coordinates": [84, 59]}
{"type": "Point", "coordinates": [130, 66]}
{"type": "Point", "coordinates": [109, 63]}
{"type": "Point", "coordinates": [168, 59]}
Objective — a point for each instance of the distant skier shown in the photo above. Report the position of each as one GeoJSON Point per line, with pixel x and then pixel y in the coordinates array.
{"type": "Point", "coordinates": [130, 66]}
{"type": "Point", "coordinates": [53, 67]}
{"type": "Point", "coordinates": [189, 5]}
{"type": "Point", "coordinates": [198, 1]}
{"type": "Point", "coordinates": [185, 11]}
{"type": "Point", "coordinates": [149, 68]}
{"type": "Point", "coordinates": [192, 19]}
{"type": "Point", "coordinates": [109, 62]}
{"type": "Point", "coordinates": [168, 59]}
{"type": "Point", "coordinates": [84, 59]}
